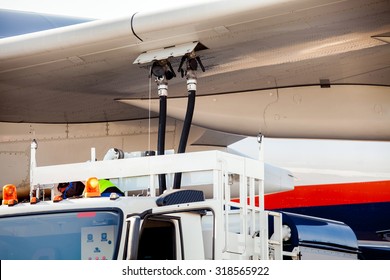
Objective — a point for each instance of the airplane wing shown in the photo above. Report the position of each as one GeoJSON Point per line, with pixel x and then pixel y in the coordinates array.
{"type": "Point", "coordinates": [312, 69]}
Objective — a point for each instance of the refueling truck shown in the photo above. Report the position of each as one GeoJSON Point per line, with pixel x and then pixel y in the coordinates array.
{"type": "Point", "coordinates": [217, 213]}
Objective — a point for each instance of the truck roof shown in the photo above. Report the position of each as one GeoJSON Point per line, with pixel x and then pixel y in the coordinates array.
{"type": "Point", "coordinates": [127, 204]}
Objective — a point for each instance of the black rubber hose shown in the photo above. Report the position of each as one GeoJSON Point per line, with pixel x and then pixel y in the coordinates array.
{"type": "Point", "coordinates": [185, 133]}
{"type": "Point", "coordinates": [161, 139]}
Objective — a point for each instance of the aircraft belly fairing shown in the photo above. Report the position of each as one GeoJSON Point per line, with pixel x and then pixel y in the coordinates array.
{"type": "Point", "coordinates": [338, 112]}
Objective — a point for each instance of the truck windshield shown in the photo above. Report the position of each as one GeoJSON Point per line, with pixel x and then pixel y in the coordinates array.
{"type": "Point", "coordinates": [60, 236]}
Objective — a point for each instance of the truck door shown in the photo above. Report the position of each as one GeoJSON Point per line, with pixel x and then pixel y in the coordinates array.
{"type": "Point", "coordinates": [169, 236]}
{"type": "Point", "coordinates": [158, 239]}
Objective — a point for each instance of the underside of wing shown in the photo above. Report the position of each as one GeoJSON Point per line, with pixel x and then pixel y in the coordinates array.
{"type": "Point", "coordinates": [284, 68]}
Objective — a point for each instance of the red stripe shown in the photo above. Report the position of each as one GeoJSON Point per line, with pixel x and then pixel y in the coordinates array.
{"type": "Point", "coordinates": [86, 215]}
{"type": "Point", "coordinates": [332, 194]}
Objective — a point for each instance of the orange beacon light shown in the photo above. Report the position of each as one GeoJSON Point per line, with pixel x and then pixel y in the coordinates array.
{"type": "Point", "coordinates": [92, 187]}
{"type": "Point", "coordinates": [10, 195]}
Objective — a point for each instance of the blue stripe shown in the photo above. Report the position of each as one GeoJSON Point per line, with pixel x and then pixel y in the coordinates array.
{"type": "Point", "coordinates": [364, 219]}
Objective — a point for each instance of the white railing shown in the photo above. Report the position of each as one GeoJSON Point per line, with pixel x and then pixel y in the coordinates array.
{"type": "Point", "coordinates": [237, 182]}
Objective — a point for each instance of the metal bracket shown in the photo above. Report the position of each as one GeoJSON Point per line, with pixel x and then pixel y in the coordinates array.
{"type": "Point", "coordinates": [165, 53]}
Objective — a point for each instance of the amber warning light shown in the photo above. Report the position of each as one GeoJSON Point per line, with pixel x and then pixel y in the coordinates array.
{"type": "Point", "coordinates": [92, 187]}
{"type": "Point", "coordinates": [10, 196]}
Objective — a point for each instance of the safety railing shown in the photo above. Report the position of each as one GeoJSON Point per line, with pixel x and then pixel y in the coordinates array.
{"type": "Point", "coordinates": [237, 182]}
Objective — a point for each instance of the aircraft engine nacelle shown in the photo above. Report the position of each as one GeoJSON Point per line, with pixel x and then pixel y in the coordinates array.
{"type": "Point", "coordinates": [277, 179]}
